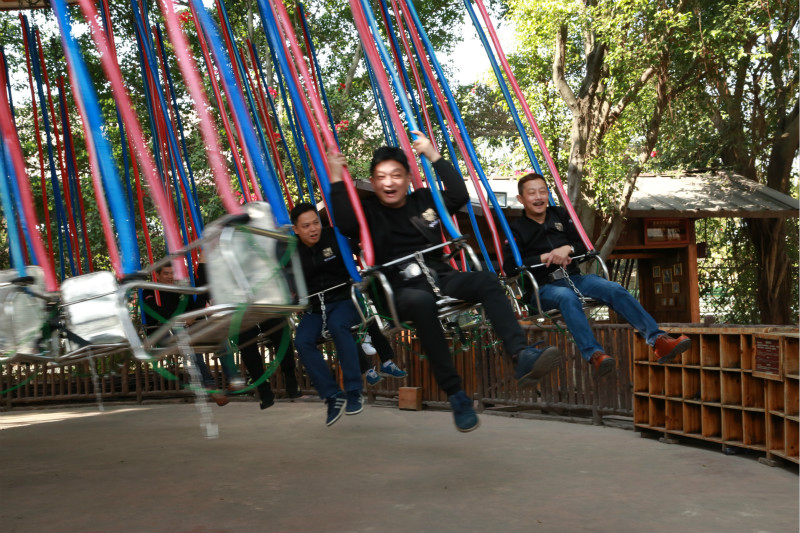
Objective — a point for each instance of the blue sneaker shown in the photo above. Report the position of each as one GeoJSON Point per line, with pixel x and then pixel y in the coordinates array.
{"type": "Point", "coordinates": [533, 364]}
{"type": "Point", "coordinates": [463, 413]}
{"type": "Point", "coordinates": [373, 378]}
{"type": "Point", "coordinates": [391, 370]}
{"type": "Point", "coordinates": [355, 402]}
{"type": "Point", "coordinates": [336, 405]}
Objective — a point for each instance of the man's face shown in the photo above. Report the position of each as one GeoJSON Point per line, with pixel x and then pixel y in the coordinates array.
{"type": "Point", "coordinates": [308, 228]}
{"type": "Point", "coordinates": [390, 181]}
{"type": "Point", "coordinates": [534, 197]}
{"type": "Point", "coordinates": [166, 275]}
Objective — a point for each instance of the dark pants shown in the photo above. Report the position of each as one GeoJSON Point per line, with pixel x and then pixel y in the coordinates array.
{"type": "Point", "coordinates": [254, 363]}
{"type": "Point", "coordinates": [416, 303]}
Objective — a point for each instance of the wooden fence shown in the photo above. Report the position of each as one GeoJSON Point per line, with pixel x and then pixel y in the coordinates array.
{"type": "Point", "coordinates": [487, 376]}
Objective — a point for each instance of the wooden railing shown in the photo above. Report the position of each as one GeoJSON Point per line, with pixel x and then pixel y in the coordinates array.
{"type": "Point", "coordinates": [487, 376]}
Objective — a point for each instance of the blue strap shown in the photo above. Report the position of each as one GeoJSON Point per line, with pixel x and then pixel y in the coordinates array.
{"type": "Point", "coordinates": [444, 215]}
{"type": "Point", "coordinates": [62, 231]}
{"type": "Point", "coordinates": [7, 207]}
{"type": "Point", "coordinates": [293, 120]}
{"type": "Point", "coordinates": [388, 128]}
{"type": "Point", "coordinates": [72, 179]}
{"type": "Point", "coordinates": [278, 125]}
{"type": "Point", "coordinates": [108, 171]}
{"type": "Point", "coordinates": [463, 130]}
{"type": "Point", "coordinates": [253, 150]}
{"type": "Point", "coordinates": [507, 95]}
{"type": "Point", "coordinates": [270, 164]}
{"type": "Point", "coordinates": [396, 47]}
{"type": "Point", "coordinates": [313, 53]}
{"type": "Point", "coordinates": [14, 184]}
{"type": "Point", "coordinates": [272, 33]}
{"type": "Point", "coordinates": [452, 152]}
{"type": "Point", "coordinates": [172, 143]}
{"type": "Point", "coordinates": [174, 101]}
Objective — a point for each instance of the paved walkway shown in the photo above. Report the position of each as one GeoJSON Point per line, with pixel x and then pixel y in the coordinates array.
{"type": "Point", "coordinates": [149, 469]}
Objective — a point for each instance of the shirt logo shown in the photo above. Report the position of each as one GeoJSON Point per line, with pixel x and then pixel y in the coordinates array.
{"type": "Point", "coordinates": [559, 226]}
{"type": "Point", "coordinates": [430, 216]}
{"type": "Point", "coordinates": [327, 253]}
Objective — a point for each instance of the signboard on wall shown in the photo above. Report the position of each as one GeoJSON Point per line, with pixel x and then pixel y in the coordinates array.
{"type": "Point", "coordinates": [767, 357]}
{"type": "Point", "coordinates": [666, 231]}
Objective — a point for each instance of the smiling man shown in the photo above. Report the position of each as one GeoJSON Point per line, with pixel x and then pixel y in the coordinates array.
{"type": "Point", "coordinates": [547, 235]}
{"type": "Point", "coordinates": [328, 284]}
{"type": "Point", "coordinates": [401, 224]}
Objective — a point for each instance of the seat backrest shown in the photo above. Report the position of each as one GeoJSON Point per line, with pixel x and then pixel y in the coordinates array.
{"type": "Point", "coordinates": [21, 313]}
{"type": "Point", "coordinates": [89, 304]}
{"type": "Point", "coordinates": [245, 267]}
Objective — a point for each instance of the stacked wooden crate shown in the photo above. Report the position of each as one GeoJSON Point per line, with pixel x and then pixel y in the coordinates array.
{"type": "Point", "coordinates": [736, 386]}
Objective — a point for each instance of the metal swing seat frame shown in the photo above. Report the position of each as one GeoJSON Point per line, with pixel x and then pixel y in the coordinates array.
{"type": "Point", "coordinates": [449, 309]}
{"type": "Point", "coordinates": [524, 307]}
{"type": "Point", "coordinates": [240, 250]}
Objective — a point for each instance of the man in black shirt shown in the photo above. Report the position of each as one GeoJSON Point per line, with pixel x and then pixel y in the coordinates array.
{"type": "Point", "coordinates": [547, 235]}
{"type": "Point", "coordinates": [173, 303]}
{"type": "Point", "coordinates": [328, 284]}
{"type": "Point", "coordinates": [400, 224]}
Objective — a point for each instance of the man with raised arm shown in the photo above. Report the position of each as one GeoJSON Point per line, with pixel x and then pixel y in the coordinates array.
{"type": "Point", "coordinates": [546, 235]}
{"type": "Point", "coordinates": [401, 224]}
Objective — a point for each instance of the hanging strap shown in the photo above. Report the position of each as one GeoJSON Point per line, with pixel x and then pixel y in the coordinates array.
{"type": "Point", "coordinates": [13, 154]}
{"type": "Point", "coordinates": [241, 117]}
{"type": "Point", "coordinates": [145, 157]}
{"type": "Point", "coordinates": [366, 238]}
{"type": "Point", "coordinates": [195, 86]}
{"type": "Point", "coordinates": [420, 38]}
{"type": "Point", "coordinates": [532, 122]}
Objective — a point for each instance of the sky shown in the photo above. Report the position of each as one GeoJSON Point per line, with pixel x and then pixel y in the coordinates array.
{"type": "Point", "coordinates": [471, 60]}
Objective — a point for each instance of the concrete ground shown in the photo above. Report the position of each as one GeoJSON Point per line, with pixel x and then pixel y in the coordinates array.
{"type": "Point", "coordinates": [149, 468]}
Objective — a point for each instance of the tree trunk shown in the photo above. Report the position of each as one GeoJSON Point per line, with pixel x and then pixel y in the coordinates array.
{"type": "Point", "coordinates": [774, 295]}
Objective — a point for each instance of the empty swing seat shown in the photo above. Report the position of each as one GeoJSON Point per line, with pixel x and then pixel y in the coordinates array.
{"type": "Point", "coordinates": [253, 275]}
{"type": "Point", "coordinates": [22, 315]}
{"type": "Point", "coordinates": [91, 323]}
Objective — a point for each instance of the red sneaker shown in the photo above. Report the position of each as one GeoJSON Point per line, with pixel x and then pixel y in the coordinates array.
{"type": "Point", "coordinates": [668, 348]}
{"type": "Point", "coordinates": [603, 364]}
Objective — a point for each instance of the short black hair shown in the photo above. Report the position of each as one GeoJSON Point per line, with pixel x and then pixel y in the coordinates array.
{"type": "Point", "coordinates": [162, 267]}
{"type": "Point", "coordinates": [299, 209]}
{"type": "Point", "coordinates": [388, 153]}
{"type": "Point", "coordinates": [529, 177]}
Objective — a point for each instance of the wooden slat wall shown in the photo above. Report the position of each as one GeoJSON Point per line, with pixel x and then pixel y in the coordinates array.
{"type": "Point", "coordinates": [487, 375]}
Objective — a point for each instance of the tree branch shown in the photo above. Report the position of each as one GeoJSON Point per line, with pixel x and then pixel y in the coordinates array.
{"type": "Point", "coordinates": [559, 76]}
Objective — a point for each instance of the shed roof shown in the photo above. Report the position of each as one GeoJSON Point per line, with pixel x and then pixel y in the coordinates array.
{"type": "Point", "coordinates": [716, 194]}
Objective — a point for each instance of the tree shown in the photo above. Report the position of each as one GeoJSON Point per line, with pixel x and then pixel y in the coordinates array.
{"type": "Point", "coordinates": [617, 66]}
{"type": "Point", "coordinates": [625, 70]}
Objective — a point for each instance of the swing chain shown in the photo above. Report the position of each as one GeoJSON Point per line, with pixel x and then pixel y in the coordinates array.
{"type": "Point", "coordinates": [324, 314]}
{"type": "Point", "coordinates": [581, 297]}
{"type": "Point", "coordinates": [428, 276]}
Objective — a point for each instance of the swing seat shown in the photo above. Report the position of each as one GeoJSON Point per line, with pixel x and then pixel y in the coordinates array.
{"type": "Point", "coordinates": [454, 315]}
{"type": "Point", "coordinates": [91, 321]}
{"type": "Point", "coordinates": [253, 275]}
{"type": "Point", "coordinates": [22, 315]}
{"type": "Point", "coordinates": [521, 299]}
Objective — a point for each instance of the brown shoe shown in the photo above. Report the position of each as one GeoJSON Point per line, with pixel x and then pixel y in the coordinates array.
{"type": "Point", "coordinates": [220, 399]}
{"type": "Point", "coordinates": [668, 348]}
{"type": "Point", "coordinates": [603, 364]}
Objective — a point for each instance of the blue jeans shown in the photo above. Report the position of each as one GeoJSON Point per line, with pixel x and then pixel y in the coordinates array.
{"type": "Point", "coordinates": [340, 317]}
{"type": "Point", "coordinates": [561, 296]}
